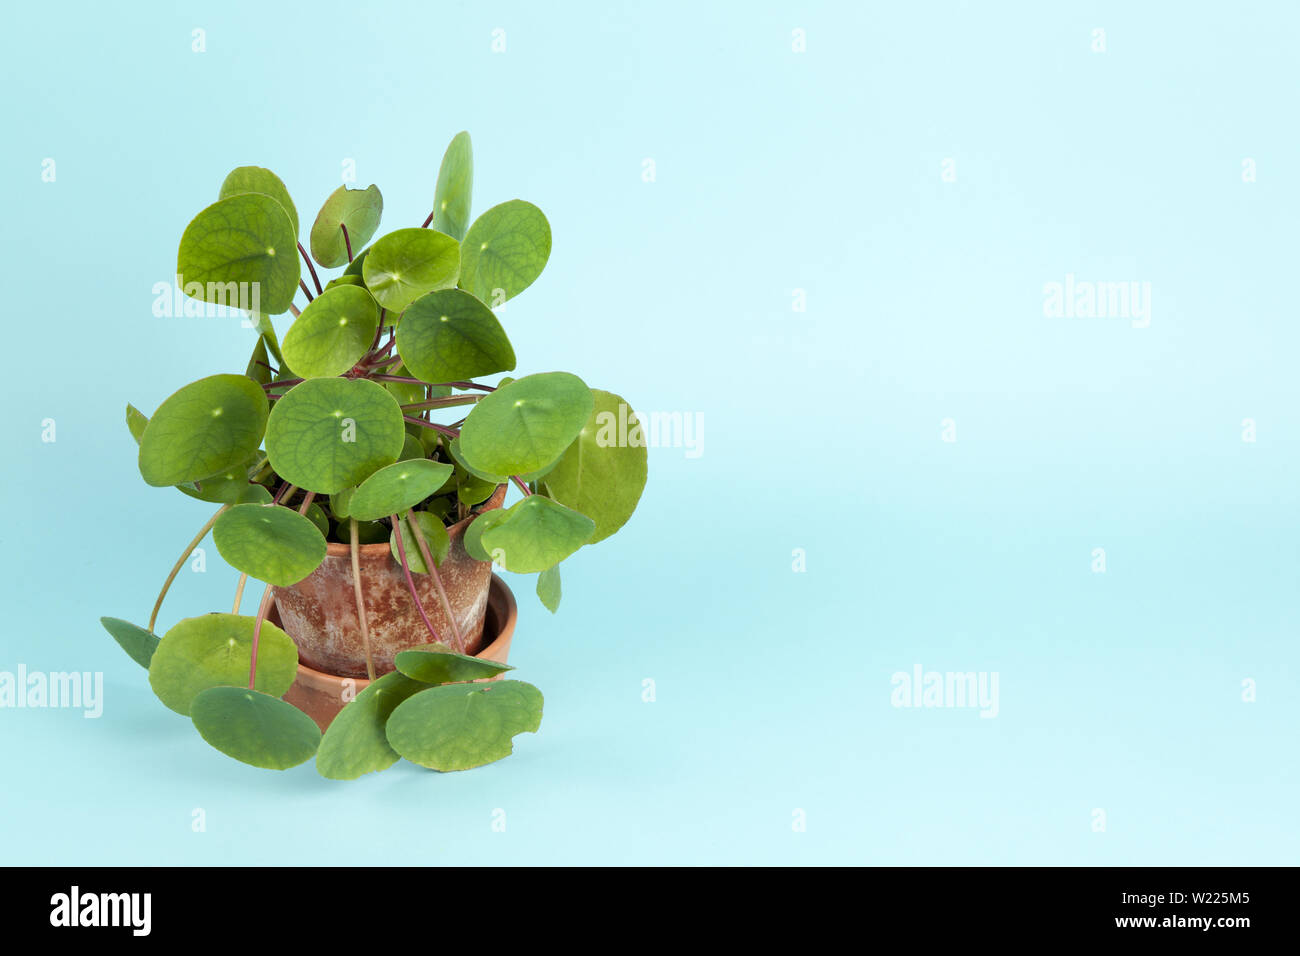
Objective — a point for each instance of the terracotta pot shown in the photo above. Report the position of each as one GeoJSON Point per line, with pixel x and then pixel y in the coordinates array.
{"type": "Point", "coordinates": [320, 611]}
{"type": "Point", "coordinates": [322, 696]}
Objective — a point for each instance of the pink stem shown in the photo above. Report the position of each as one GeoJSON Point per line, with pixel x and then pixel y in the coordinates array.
{"type": "Point", "coordinates": [410, 581]}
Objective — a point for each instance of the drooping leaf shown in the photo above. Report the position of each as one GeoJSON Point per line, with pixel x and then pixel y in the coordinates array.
{"type": "Point", "coordinates": [259, 364]}
{"type": "Point", "coordinates": [136, 422]}
{"type": "Point", "coordinates": [212, 424]}
{"type": "Point", "coordinates": [602, 474]}
{"type": "Point", "coordinates": [340, 501]}
{"type": "Point", "coordinates": [397, 487]}
{"type": "Point", "coordinates": [316, 515]}
{"type": "Point", "coordinates": [407, 263]}
{"type": "Point", "coordinates": [255, 728]}
{"type": "Point", "coordinates": [229, 486]}
{"type": "Point", "coordinates": [526, 426]}
{"type": "Point", "coordinates": [262, 323]}
{"type": "Point", "coordinates": [535, 534]}
{"type": "Point", "coordinates": [449, 336]}
{"type": "Point", "coordinates": [472, 490]}
{"type": "Point", "coordinates": [328, 433]}
{"type": "Point", "coordinates": [504, 251]}
{"type": "Point", "coordinates": [473, 540]}
{"type": "Point", "coordinates": [271, 543]}
{"type": "Point", "coordinates": [357, 266]}
{"type": "Point", "coordinates": [240, 248]}
{"type": "Point", "coordinates": [355, 743]}
{"type": "Point", "coordinates": [215, 650]}
{"type": "Point", "coordinates": [548, 588]}
{"type": "Point", "coordinates": [359, 210]}
{"type": "Point", "coordinates": [333, 332]}
{"type": "Point", "coordinates": [455, 184]}
{"type": "Point", "coordinates": [135, 640]}
{"type": "Point", "coordinates": [435, 536]}
{"type": "Point", "coordinates": [439, 664]}
{"type": "Point", "coordinates": [255, 179]}
{"type": "Point", "coordinates": [412, 450]}
{"type": "Point", "coordinates": [459, 726]}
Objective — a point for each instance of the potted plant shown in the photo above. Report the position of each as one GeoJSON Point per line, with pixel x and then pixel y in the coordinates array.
{"type": "Point", "coordinates": [373, 520]}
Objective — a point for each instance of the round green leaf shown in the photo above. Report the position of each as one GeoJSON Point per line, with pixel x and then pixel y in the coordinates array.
{"type": "Point", "coordinates": [215, 650]}
{"type": "Point", "coordinates": [526, 426]}
{"type": "Point", "coordinates": [438, 664]}
{"type": "Point", "coordinates": [602, 474]}
{"type": "Point", "coordinates": [255, 179]}
{"type": "Point", "coordinates": [359, 210]}
{"type": "Point", "coordinates": [534, 534]}
{"type": "Point", "coordinates": [398, 487]}
{"type": "Point", "coordinates": [328, 433]}
{"type": "Point", "coordinates": [455, 183]}
{"type": "Point", "coordinates": [271, 543]}
{"type": "Point", "coordinates": [255, 728]}
{"type": "Point", "coordinates": [435, 536]}
{"type": "Point", "coordinates": [548, 588]}
{"type": "Point", "coordinates": [504, 251]}
{"type": "Point", "coordinates": [238, 247]}
{"type": "Point", "coordinates": [205, 427]}
{"type": "Point", "coordinates": [355, 742]}
{"type": "Point", "coordinates": [449, 336]}
{"type": "Point", "coordinates": [333, 332]}
{"type": "Point", "coordinates": [459, 726]}
{"type": "Point", "coordinates": [404, 265]}
{"type": "Point", "coordinates": [135, 640]}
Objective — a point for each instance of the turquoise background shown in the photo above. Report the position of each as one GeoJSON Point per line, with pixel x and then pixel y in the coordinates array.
{"type": "Point", "coordinates": [775, 171]}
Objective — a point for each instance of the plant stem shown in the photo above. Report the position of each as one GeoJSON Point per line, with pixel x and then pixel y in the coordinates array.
{"type": "Point", "coordinates": [283, 381]}
{"type": "Point", "coordinates": [519, 482]}
{"type": "Point", "coordinates": [305, 291]}
{"type": "Point", "coordinates": [361, 601]}
{"type": "Point", "coordinates": [442, 429]}
{"type": "Point", "coordinates": [257, 634]}
{"type": "Point", "coordinates": [427, 221]}
{"type": "Point", "coordinates": [239, 592]}
{"type": "Point", "coordinates": [410, 581]}
{"type": "Point", "coordinates": [284, 493]}
{"type": "Point", "coordinates": [347, 241]}
{"type": "Point", "coordinates": [457, 641]}
{"type": "Point", "coordinates": [311, 268]}
{"type": "Point", "coordinates": [176, 568]}
{"type": "Point", "coordinates": [294, 309]}
{"type": "Point", "coordinates": [451, 401]}
{"type": "Point", "coordinates": [384, 361]}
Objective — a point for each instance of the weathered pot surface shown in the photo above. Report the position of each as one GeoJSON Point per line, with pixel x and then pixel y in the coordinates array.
{"type": "Point", "coordinates": [320, 611]}
{"type": "Point", "coordinates": [322, 696]}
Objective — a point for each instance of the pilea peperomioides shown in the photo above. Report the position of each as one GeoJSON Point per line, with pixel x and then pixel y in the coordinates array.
{"type": "Point", "coordinates": [340, 433]}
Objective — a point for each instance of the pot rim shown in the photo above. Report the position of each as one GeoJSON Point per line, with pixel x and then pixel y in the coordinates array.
{"type": "Point", "coordinates": [337, 549]}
